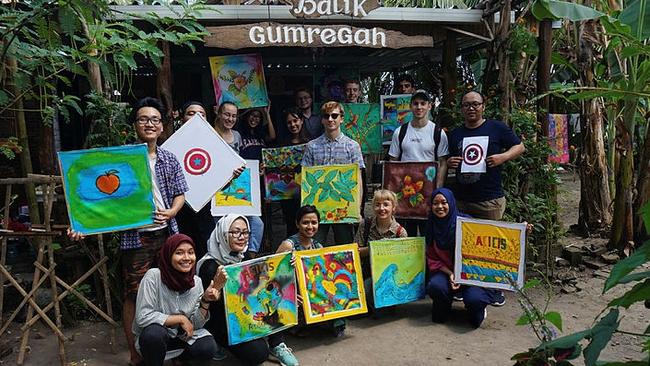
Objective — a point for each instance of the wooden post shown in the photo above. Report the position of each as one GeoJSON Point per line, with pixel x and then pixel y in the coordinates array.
{"type": "Point", "coordinates": [449, 78]}
{"type": "Point", "coordinates": [3, 253]}
{"type": "Point", "coordinates": [543, 86]}
{"type": "Point", "coordinates": [49, 201]}
{"type": "Point", "coordinates": [107, 292]}
{"type": "Point", "coordinates": [544, 74]}
{"type": "Point", "coordinates": [25, 155]}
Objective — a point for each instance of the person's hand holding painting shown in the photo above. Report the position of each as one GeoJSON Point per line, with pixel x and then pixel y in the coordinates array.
{"type": "Point", "coordinates": [452, 282]}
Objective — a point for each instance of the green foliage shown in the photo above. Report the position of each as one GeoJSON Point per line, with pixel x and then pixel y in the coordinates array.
{"type": "Point", "coordinates": [601, 333]}
{"type": "Point", "coordinates": [530, 182]}
{"type": "Point", "coordinates": [556, 10]}
{"type": "Point", "coordinates": [110, 125]}
{"type": "Point", "coordinates": [436, 4]}
{"type": "Point", "coordinates": [53, 42]}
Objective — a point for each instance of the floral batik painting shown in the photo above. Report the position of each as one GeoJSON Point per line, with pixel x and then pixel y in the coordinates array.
{"type": "Point", "coordinates": [239, 79]}
{"type": "Point", "coordinates": [413, 183]}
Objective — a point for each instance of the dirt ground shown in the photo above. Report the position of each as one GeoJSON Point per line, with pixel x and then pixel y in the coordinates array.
{"type": "Point", "coordinates": [408, 337]}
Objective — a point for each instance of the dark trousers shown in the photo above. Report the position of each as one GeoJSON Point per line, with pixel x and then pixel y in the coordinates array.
{"type": "Point", "coordinates": [343, 233]}
{"type": "Point", "coordinates": [289, 209]}
{"type": "Point", "coordinates": [155, 342]}
{"type": "Point", "coordinates": [412, 226]}
{"type": "Point", "coordinates": [475, 299]}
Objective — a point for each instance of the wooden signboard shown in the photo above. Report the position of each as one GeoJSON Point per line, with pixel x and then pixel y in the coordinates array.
{"type": "Point", "coordinates": [318, 8]}
{"type": "Point", "coordinates": [270, 34]}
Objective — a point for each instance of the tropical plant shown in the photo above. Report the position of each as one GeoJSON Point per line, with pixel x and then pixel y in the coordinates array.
{"type": "Point", "coordinates": [622, 80]}
{"type": "Point", "coordinates": [558, 351]}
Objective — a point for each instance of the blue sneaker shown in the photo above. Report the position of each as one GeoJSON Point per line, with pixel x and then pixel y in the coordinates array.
{"type": "Point", "coordinates": [284, 355]}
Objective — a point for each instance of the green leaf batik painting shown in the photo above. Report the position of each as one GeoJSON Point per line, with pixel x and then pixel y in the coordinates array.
{"type": "Point", "coordinates": [334, 190]}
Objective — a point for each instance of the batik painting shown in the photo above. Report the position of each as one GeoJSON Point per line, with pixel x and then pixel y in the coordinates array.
{"type": "Point", "coordinates": [558, 137]}
{"type": "Point", "coordinates": [282, 172]}
{"type": "Point", "coordinates": [413, 183]}
{"type": "Point", "coordinates": [242, 195]}
{"type": "Point", "coordinates": [490, 253]}
{"type": "Point", "coordinates": [206, 159]}
{"type": "Point", "coordinates": [239, 79]}
{"type": "Point", "coordinates": [108, 189]}
{"type": "Point", "coordinates": [362, 123]}
{"type": "Point", "coordinates": [395, 111]}
{"type": "Point", "coordinates": [334, 190]}
{"type": "Point", "coordinates": [330, 282]}
{"type": "Point", "coordinates": [397, 267]}
{"type": "Point", "coordinates": [260, 297]}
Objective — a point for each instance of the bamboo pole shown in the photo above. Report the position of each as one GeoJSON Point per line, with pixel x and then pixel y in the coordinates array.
{"type": "Point", "coordinates": [3, 250]}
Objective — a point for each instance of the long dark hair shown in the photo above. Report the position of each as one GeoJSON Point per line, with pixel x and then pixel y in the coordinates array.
{"type": "Point", "coordinates": [246, 131]}
{"type": "Point", "coordinates": [303, 135]}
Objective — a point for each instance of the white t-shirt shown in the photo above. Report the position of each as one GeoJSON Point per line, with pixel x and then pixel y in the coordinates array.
{"type": "Point", "coordinates": [157, 195]}
{"type": "Point", "coordinates": [418, 144]}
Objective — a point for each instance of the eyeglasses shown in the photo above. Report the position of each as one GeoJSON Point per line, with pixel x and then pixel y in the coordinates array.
{"type": "Point", "coordinates": [239, 234]}
{"type": "Point", "coordinates": [471, 105]}
{"type": "Point", "coordinates": [144, 120]}
{"type": "Point", "coordinates": [330, 115]}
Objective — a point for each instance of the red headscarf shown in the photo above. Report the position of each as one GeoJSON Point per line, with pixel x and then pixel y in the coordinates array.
{"type": "Point", "coordinates": [175, 280]}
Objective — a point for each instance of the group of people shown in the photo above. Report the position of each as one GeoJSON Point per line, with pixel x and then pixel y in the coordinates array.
{"type": "Point", "coordinates": [173, 304]}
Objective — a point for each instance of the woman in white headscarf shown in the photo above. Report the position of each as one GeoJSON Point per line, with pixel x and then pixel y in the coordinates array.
{"type": "Point", "coordinates": [227, 245]}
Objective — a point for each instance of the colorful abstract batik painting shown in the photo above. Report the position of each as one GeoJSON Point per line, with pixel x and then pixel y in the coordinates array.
{"type": "Point", "coordinates": [362, 123]}
{"type": "Point", "coordinates": [330, 282]}
{"type": "Point", "coordinates": [282, 172]}
{"type": "Point", "coordinates": [107, 189]}
{"type": "Point", "coordinates": [334, 190]}
{"type": "Point", "coordinates": [397, 267]}
{"type": "Point", "coordinates": [260, 297]}
{"type": "Point", "coordinates": [239, 79]}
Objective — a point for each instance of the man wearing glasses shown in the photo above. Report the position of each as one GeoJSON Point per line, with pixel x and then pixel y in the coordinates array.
{"type": "Point", "coordinates": [481, 194]}
{"type": "Point", "coordinates": [303, 101]}
{"type": "Point", "coordinates": [333, 147]}
{"type": "Point", "coordinates": [140, 247]}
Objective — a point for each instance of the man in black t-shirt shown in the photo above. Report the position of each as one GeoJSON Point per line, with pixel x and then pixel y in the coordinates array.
{"type": "Point", "coordinates": [481, 194]}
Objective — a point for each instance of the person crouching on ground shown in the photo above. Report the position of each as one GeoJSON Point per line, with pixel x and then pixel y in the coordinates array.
{"type": "Point", "coordinates": [442, 286]}
{"type": "Point", "coordinates": [227, 245]}
{"type": "Point", "coordinates": [172, 307]}
{"type": "Point", "coordinates": [382, 226]}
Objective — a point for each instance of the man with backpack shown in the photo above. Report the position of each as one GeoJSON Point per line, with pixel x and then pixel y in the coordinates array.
{"type": "Point", "coordinates": [420, 140]}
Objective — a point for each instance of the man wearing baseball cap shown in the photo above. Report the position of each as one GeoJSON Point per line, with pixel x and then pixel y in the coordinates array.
{"type": "Point", "coordinates": [420, 141]}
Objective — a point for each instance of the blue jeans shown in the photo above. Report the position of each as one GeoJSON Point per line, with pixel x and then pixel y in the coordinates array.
{"type": "Point", "coordinates": [475, 299]}
{"type": "Point", "coordinates": [257, 233]}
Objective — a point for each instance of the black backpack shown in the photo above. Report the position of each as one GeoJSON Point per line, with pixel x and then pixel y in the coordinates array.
{"type": "Point", "coordinates": [436, 140]}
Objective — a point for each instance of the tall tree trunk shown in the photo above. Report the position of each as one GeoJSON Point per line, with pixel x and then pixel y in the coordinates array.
{"type": "Point", "coordinates": [25, 155]}
{"type": "Point", "coordinates": [164, 87]}
{"type": "Point", "coordinates": [94, 73]}
{"type": "Point", "coordinates": [643, 191]}
{"type": "Point", "coordinates": [623, 225]}
{"type": "Point", "coordinates": [503, 60]}
{"type": "Point", "coordinates": [594, 213]}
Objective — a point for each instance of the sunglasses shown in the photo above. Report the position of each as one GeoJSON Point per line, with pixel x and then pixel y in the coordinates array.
{"type": "Point", "coordinates": [330, 115]}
